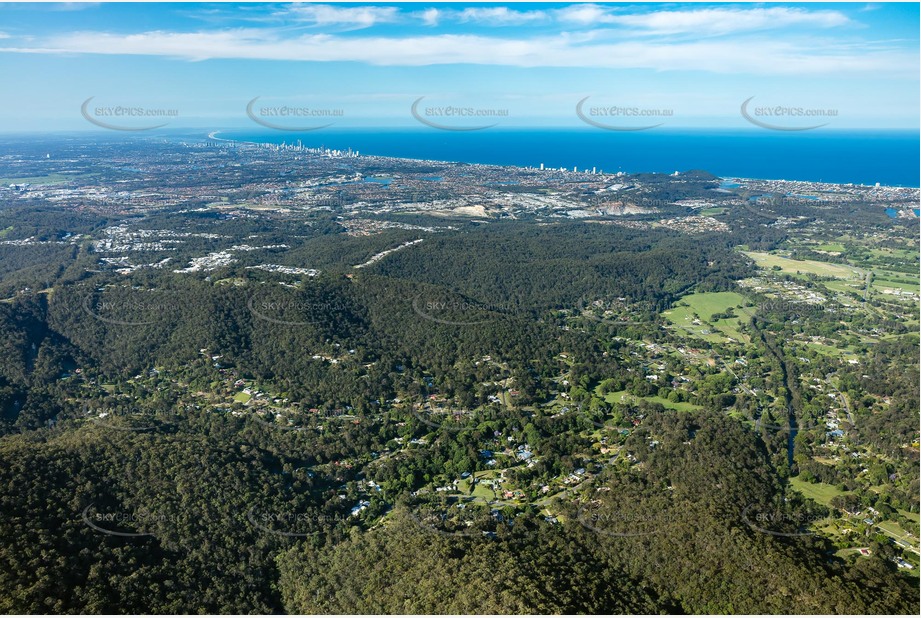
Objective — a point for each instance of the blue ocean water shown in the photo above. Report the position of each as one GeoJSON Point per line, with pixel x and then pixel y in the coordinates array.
{"type": "Point", "coordinates": [860, 157]}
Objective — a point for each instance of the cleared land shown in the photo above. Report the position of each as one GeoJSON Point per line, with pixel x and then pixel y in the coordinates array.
{"type": "Point", "coordinates": [694, 314]}
{"type": "Point", "coordinates": [819, 492]}
{"type": "Point", "coordinates": [626, 397]}
{"type": "Point", "coordinates": [49, 179]}
{"type": "Point", "coordinates": [821, 269]}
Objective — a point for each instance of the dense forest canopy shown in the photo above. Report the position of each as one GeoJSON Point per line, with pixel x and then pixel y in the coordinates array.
{"type": "Point", "coordinates": [440, 413]}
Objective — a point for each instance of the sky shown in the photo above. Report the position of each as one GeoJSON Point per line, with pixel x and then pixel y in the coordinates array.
{"type": "Point", "coordinates": [70, 66]}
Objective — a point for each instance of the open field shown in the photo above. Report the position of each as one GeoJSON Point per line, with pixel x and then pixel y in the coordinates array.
{"type": "Point", "coordinates": [894, 530]}
{"type": "Point", "coordinates": [846, 286]}
{"type": "Point", "coordinates": [886, 252]}
{"type": "Point", "coordinates": [821, 269]}
{"type": "Point", "coordinates": [819, 492]}
{"type": "Point", "coordinates": [915, 517]}
{"type": "Point", "coordinates": [828, 350]}
{"type": "Point", "coordinates": [882, 284]}
{"type": "Point", "coordinates": [701, 307]}
{"type": "Point", "coordinates": [49, 179]}
{"type": "Point", "coordinates": [625, 397]}
{"type": "Point", "coordinates": [883, 279]}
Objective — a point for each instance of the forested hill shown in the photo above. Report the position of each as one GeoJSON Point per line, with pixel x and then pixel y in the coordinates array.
{"type": "Point", "coordinates": [673, 536]}
{"type": "Point", "coordinates": [519, 417]}
{"type": "Point", "coordinates": [512, 282]}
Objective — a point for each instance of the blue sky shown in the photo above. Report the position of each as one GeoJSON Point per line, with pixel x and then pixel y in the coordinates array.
{"type": "Point", "coordinates": [535, 62]}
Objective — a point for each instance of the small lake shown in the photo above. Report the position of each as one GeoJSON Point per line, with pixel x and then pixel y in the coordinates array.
{"type": "Point", "coordinates": [803, 197]}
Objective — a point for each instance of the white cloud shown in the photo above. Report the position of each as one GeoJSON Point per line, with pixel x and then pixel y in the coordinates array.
{"type": "Point", "coordinates": [484, 16]}
{"type": "Point", "coordinates": [500, 15]}
{"type": "Point", "coordinates": [764, 55]}
{"type": "Point", "coordinates": [71, 6]}
{"type": "Point", "coordinates": [349, 16]}
{"type": "Point", "coordinates": [430, 17]}
{"type": "Point", "coordinates": [584, 14]}
{"type": "Point", "coordinates": [706, 21]}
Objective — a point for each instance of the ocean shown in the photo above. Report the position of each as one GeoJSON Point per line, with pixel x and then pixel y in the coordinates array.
{"type": "Point", "coordinates": [860, 157]}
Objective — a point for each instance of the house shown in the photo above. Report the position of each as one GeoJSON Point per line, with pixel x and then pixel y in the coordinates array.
{"type": "Point", "coordinates": [358, 508]}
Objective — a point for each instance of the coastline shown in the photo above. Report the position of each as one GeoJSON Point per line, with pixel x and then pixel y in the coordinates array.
{"type": "Point", "coordinates": [213, 135]}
